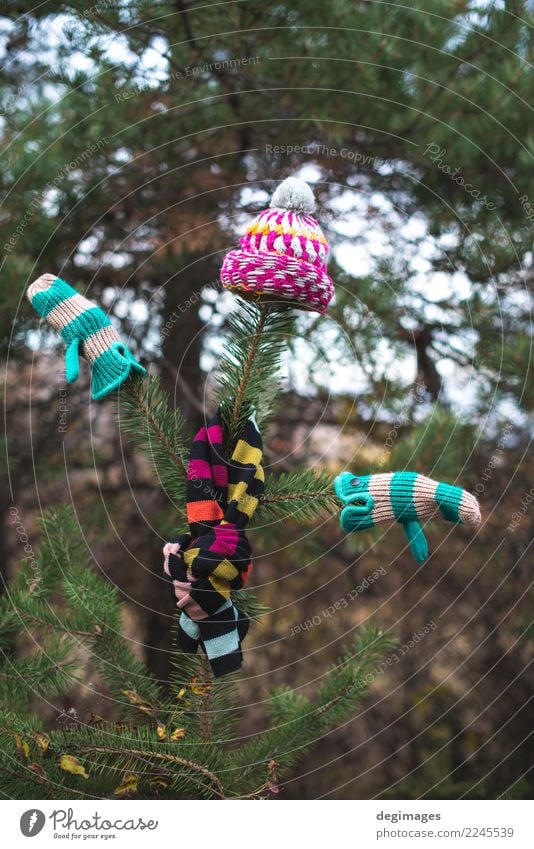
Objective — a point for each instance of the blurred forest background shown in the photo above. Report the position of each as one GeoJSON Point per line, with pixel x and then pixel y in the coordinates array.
{"type": "Point", "coordinates": [137, 139]}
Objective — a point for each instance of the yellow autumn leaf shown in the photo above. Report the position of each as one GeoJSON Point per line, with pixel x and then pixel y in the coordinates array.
{"type": "Point", "coordinates": [161, 732]}
{"type": "Point", "coordinates": [42, 740]}
{"type": "Point", "coordinates": [178, 734]}
{"type": "Point", "coordinates": [199, 688]}
{"type": "Point", "coordinates": [128, 785]}
{"type": "Point", "coordinates": [181, 693]}
{"type": "Point", "coordinates": [23, 747]}
{"type": "Point", "coordinates": [37, 769]}
{"type": "Point", "coordinates": [135, 699]}
{"type": "Point", "coordinates": [158, 782]}
{"type": "Point", "coordinates": [71, 764]}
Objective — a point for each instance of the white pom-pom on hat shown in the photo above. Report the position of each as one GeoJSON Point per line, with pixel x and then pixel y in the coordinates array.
{"type": "Point", "coordinates": [294, 194]}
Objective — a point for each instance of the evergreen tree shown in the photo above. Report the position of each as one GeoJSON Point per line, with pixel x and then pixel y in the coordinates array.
{"type": "Point", "coordinates": [131, 181]}
{"type": "Point", "coordinates": [139, 164]}
{"type": "Point", "coordinates": [165, 741]}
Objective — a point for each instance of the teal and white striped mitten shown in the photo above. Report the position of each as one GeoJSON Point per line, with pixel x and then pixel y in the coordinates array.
{"type": "Point", "coordinates": [86, 329]}
{"type": "Point", "coordinates": [404, 497]}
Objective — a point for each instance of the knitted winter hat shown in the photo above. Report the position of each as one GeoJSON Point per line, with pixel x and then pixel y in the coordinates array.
{"type": "Point", "coordinates": [284, 252]}
{"type": "Point", "coordinates": [83, 325]}
{"type": "Point", "coordinates": [405, 497]}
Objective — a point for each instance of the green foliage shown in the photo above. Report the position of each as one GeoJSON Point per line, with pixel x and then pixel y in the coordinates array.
{"type": "Point", "coordinates": [304, 494]}
{"type": "Point", "coordinates": [145, 417]}
{"type": "Point", "coordinates": [443, 97]}
{"type": "Point", "coordinates": [180, 744]}
{"type": "Point", "coordinates": [299, 722]}
{"type": "Point", "coordinates": [440, 447]}
{"type": "Point", "coordinates": [248, 372]}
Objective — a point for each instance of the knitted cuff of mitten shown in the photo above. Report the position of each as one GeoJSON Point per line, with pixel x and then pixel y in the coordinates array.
{"type": "Point", "coordinates": [83, 325]}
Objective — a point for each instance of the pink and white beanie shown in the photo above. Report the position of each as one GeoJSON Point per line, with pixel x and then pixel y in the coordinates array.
{"type": "Point", "coordinates": [283, 253]}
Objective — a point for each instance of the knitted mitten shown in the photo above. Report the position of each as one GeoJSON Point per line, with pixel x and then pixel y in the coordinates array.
{"type": "Point", "coordinates": [405, 497]}
{"type": "Point", "coordinates": [205, 565]}
{"type": "Point", "coordinates": [83, 324]}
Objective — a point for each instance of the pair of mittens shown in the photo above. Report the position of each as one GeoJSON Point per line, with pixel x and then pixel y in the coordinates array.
{"type": "Point", "coordinates": [405, 497]}
{"type": "Point", "coordinates": [85, 328]}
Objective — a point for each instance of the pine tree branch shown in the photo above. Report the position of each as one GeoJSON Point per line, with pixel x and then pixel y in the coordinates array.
{"type": "Point", "coordinates": [248, 374]}
{"type": "Point", "coordinates": [144, 415]}
{"type": "Point", "coordinates": [160, 756]}
{"type": "Point", "coordinates": [56, 626]}
{"type": "Point", "coordinates": [155, 426]}
{"type": "Point", "coordinates": [33, 778]}
{"type": "Point", "coordinates": [247, 370]}
{"type": "Point", "coordinates": [304, 492]}
{"type": "Point", "coordinates": [297, 722]}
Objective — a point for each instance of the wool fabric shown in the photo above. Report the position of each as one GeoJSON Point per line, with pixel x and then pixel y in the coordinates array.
{"type": "Point", "coordinates": [404, 497]}
{"type": "Point", "coordinates": [85, 328]}
{"type": "Point", "coordinates": [205, 565]}
{"type": "Point", "coordinates": [283, 254]}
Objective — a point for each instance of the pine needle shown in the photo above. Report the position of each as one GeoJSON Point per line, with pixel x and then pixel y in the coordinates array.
{"type": "Point", "coordinates": [248, 374]}
{"type": "Point", "coordinates": [144, 415]}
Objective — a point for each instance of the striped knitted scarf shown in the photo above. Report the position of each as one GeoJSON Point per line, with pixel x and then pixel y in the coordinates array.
{"type": "Point", "coordinates": [203, 566]}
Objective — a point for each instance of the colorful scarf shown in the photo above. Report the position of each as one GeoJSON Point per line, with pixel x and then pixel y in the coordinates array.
{"type": "Point", "coordinates": [203, 566]}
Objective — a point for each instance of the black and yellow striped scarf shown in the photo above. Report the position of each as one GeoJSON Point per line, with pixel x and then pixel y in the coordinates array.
{"type": "Point", "coordinates": [205, 565]}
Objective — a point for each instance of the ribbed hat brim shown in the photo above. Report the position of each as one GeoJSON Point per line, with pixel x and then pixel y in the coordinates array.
{"type": "Point", "coordinates": [279, 276]}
